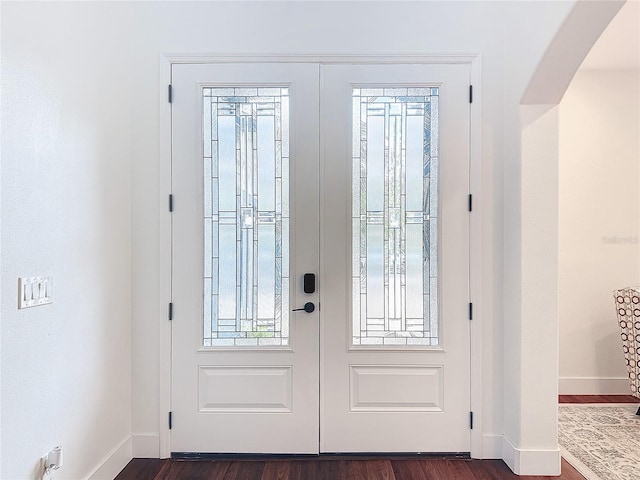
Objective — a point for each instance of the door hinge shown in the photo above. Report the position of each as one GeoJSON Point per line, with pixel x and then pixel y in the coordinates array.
{"type": "Point", "coordinates": [470, 311]}
{"type": "Point", "coordinates": [470, 93]}
{"type": "Point", "coordinates": [170, 202]}
{"type": "Point", "coordinates": [170, 421]}
{"type": "Point", "coordinates": [170, 311]}
{"type": "Point", "coordinates": [471, 420]}
{"type": "Point", "coordinates": [169, 94]}
{"type": "Point", "coordinates": [470, 203]}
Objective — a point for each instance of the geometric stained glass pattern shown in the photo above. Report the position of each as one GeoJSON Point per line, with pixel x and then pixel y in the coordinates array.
{"type": "Point", "coordinates": [395, 216]}
{"type": "Point", "coordinates": [246, 216]}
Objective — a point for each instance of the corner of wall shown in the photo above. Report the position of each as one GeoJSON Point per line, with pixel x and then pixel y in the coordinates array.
{"type": "Point", "coordinates": [529, 461]}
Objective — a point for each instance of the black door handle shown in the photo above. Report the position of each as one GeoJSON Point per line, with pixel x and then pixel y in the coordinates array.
{"type": "Point", "coordinates": [308, 307]}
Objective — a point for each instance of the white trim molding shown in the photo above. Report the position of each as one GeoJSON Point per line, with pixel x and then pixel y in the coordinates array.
{"type": "Point", "coordinates": [531, 462]}
{"type": "Point", "coordinates": [593, 386]}
{"type": "Point", "coordinates": [447, 58]}
{"type": "Point", "coordinates": [479, 277]}
{"type": "Point", "coordinates": [477, 280]}
{"type": "Point", "coordinates": [164, 257]}
{"type": "Point", "coordinates": [113, 463]}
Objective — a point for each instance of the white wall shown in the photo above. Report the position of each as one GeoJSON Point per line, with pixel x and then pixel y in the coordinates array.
{"type": "Point", "coordinates": [1, 289]}
{"type": "Point", "coordinates": [599, 218]}
{"type": "Point", "coordinates": [66, 203]}
{"type": "Point", "coordinates": [83, 79]}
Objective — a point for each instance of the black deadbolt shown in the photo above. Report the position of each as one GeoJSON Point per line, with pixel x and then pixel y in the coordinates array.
{"type": "Point", "coordinates": [309, 283]}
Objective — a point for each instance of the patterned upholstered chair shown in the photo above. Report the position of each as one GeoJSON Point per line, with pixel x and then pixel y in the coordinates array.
{"type": "Point", "coordinates": [628, 311]}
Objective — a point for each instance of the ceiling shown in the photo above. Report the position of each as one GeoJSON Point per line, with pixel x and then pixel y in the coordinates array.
{"type": "Point", "coordinates": [619, 45]}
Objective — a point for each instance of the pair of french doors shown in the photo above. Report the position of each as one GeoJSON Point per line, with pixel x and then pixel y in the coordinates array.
{"type": "Point", "coordinates": [358, 175]}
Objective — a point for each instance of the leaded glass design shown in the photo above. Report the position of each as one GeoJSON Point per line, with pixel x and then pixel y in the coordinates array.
{"type": "Point", "coordinates": [395, 216]}
{"type": "Point", "coordinates": [246, 216]}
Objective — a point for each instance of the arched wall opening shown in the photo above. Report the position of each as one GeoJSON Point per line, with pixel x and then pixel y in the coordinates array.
{"type": "Point", "coordinates": [531, 229]}
{"type": "Point", "coordinates": [599, 208]}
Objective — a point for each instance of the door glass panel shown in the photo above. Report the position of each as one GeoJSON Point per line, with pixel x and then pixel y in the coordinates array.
{"type": "Point", "coordinates": [246, 216]}
{"type": "Point", "coordinates": [395, 216]}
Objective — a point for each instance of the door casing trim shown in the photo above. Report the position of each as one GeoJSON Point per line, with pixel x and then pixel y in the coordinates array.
{"type": "Point", "coordinates": [476, 273]}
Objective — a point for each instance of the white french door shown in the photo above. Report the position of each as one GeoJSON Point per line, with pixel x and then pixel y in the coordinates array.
{"type": "Point", "coordinates": [245, 227]}
{"type": "Point", "coordinates": [360, 179]}
{"type": "Point", "coordinates": [395, 263]}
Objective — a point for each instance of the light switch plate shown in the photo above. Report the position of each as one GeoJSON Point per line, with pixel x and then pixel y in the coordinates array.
{"type": "Point", "coordinates": [35, 291]}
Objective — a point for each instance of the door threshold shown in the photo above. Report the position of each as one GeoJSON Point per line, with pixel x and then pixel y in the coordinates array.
{"type": "Point", "coordinates": [316, 456]}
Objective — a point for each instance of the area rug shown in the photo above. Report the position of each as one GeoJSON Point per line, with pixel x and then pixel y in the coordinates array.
{"type": "Point", "coordinates": [601, 441]}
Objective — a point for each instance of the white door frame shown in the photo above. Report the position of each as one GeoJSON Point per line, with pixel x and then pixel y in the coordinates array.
{"type": "Point", "coordinates": [475, 261]}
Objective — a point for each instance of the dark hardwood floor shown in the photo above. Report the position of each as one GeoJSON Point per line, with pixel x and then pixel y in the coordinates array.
{"type": "Point", "coordinates": [345, 468]}
{"type": "Point", "coordinates": [598, 399]}
{"type": "Point", "coordinates": [328, 468]}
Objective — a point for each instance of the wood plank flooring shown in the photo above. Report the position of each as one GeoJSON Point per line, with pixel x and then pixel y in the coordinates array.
{"type": "Point", "coordinates": [598, 399]}
{"type": "Point", "coordinates": [346, 468]}
{"type": "Point", "coordinates": [329, 468]}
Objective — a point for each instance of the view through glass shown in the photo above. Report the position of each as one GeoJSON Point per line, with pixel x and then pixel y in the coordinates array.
{"type": "Point", "coordinates": [246, 216]}
{"type": "Point", "coordinates": [395, 216]}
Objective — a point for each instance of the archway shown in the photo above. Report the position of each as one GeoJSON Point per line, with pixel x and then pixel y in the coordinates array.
{"type": "Point", "coordinates": [531, 387]}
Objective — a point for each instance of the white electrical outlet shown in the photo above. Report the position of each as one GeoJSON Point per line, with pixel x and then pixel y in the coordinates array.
{"type": "Point", "coordinates": [35, 291]}
{"type": "Point", "coordinates": [51, 461]}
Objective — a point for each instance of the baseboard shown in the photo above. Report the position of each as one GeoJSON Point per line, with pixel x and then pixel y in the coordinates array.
{"type": "Point", "coordinates": [530, 462]}
{"type": "Point", "coordinates": [146, 445]}
{"type": "Point", "coordinates": [114, 462]}
{"type": "Point", "coordinates": [491, 446]}
{"type": "Point", "coordinates": [593, 386]}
